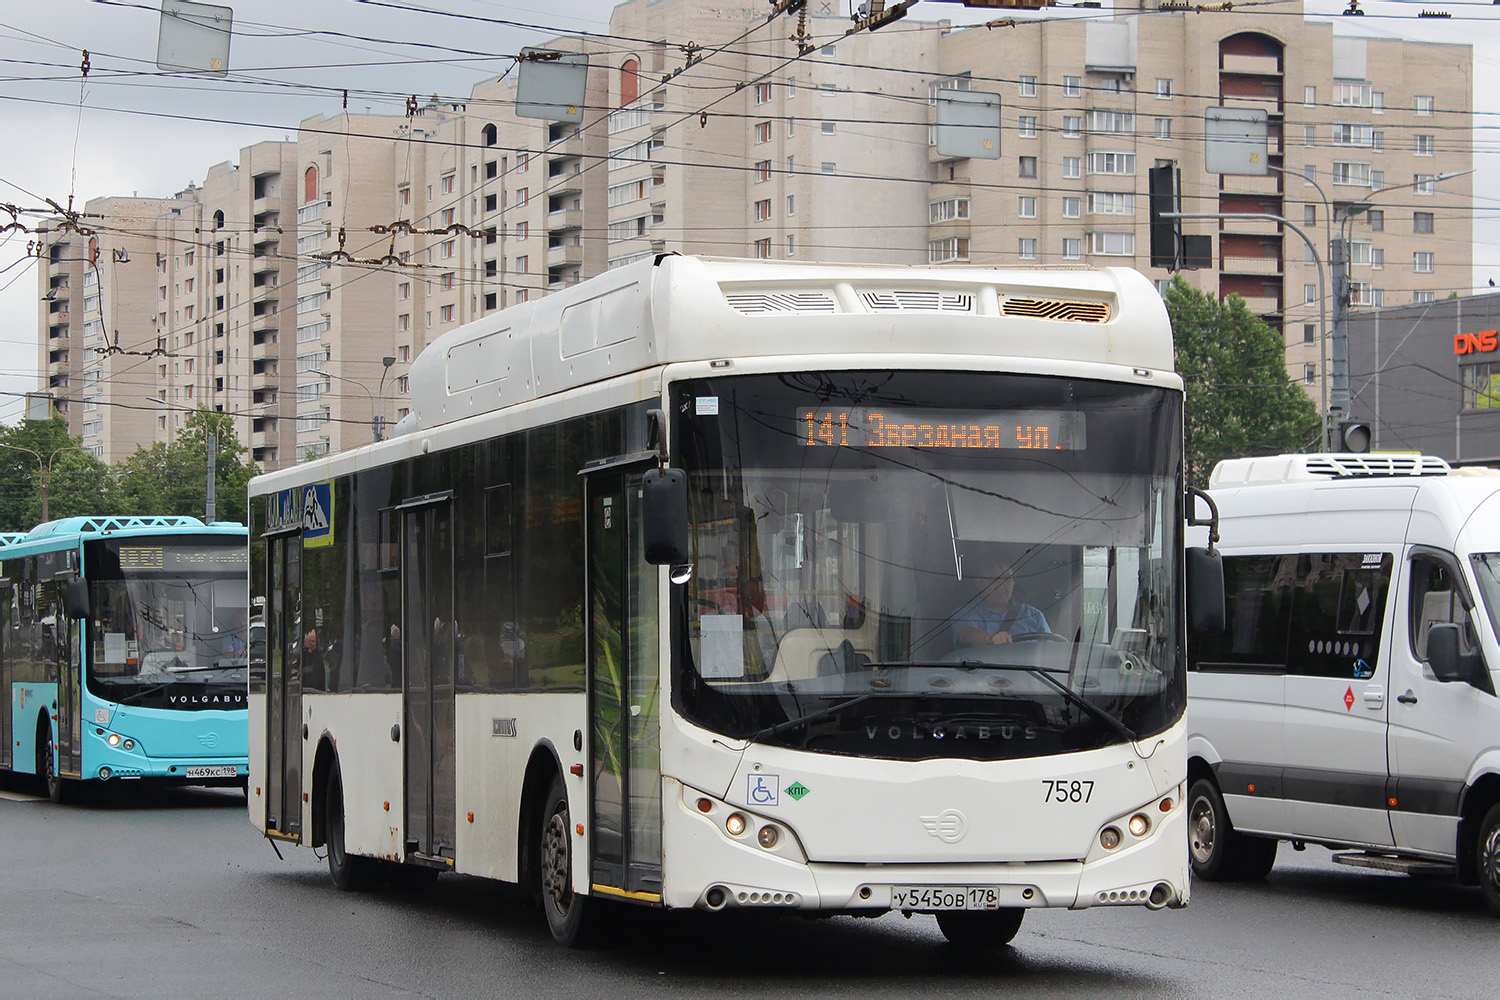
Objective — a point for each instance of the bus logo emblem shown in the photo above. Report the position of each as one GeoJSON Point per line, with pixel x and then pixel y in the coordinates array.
{"type": "Point", "coordinates": [209, 740]}
{"type": "Point", "coordinates": [949, 826]}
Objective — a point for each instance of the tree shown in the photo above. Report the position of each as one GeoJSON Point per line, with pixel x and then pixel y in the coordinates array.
{"type": "Point", "coordinates": [1239, 399]}
{"type": "Point", "coordinates": [77, 481]}
{"type": "Point", "coordinates": [173, 478]}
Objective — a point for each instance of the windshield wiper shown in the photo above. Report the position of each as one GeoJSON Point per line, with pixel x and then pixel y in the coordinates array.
{"type": "Point", "coordinates": [1073, 697]}
{"type": "Point", "coordinates": [130, 698]}
{"type": "Point", "coordinates": [802, 720]}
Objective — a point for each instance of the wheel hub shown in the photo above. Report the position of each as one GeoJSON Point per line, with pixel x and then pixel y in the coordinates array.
{"type": "Point", "coordinates": [1490, 861]}
{"type": "Point", "coordinates": [557, 879]}
{"type": "Point", "coordinates": [1201, 830]}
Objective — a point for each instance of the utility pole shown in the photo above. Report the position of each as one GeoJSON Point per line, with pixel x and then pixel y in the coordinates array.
{"type": "Point", "coordinates": [210, 507]}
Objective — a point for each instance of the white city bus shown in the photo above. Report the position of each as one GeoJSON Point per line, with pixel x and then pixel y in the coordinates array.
{"type": "Point", "coordinates": [656, 596]}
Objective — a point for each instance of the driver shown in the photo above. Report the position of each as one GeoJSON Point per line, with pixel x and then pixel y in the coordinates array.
{"type": "Point", "coordinates": [995, 616]}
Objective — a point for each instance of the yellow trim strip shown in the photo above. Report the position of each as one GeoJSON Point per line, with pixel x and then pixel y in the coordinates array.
{"type": "Point", "coordinates": [294, 838]}
{"type": "Point", "coordinates": [645, 897]}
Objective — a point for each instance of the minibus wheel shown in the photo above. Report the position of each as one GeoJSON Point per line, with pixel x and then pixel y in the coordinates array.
{"type": "Point", "coordinates": [1487, 859]}
{"type": "Point", "coordinates": [1217, 851]}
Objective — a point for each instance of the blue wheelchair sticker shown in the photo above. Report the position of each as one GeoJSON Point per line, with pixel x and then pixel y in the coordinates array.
{"type": "Point", "coordinates": [765, 789]}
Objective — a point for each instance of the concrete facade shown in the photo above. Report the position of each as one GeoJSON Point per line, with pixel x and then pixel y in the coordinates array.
{"type": "Point", "coordinates": [353, 247]}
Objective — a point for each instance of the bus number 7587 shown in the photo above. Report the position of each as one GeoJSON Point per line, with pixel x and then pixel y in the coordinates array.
{"type": "Point", "coordinates": [1068, 791]}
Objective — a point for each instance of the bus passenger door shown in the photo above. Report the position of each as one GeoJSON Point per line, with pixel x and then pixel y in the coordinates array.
{"type": "Point", "coordinates": [624, 744]}
{"type": "Point", "coordinates": [428, 630]}
{"type": "Point", "coordinates": [284, 685]}
{"type": "Point", "coordinates": [7, 695]}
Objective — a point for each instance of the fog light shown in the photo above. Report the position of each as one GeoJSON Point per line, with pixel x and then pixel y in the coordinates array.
{"type": "Point", "coordinates": [113, 739]}
{"type": "Point", "coordinates": [104, 773]}
{"type": "Point", "coordinates": [130, 744]}
{"type": "Point", "coordinates": [735, 824]}
{"type": "Point", "coordinates": [1139, 825]}
{"type": "Point", "coordinates": [1110, 838]}
{"type": "Point", "coordinates": [768, 837]}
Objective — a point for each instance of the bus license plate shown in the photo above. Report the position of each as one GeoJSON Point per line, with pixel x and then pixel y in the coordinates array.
{"type": "Point", "coordinates": [927, 897]}
{"type": "Point", "coordinates": [213, 771]}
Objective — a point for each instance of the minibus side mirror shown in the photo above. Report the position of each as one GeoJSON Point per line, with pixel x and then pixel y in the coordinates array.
{"type": "Point", "coordinates": [76, 599]}
{"type": "Point", "coordinates": [1205, 591]}
{"type": "Point", "coordinates": [664, 518]}
{"type": "Point", "coordinates": [1442, 653]}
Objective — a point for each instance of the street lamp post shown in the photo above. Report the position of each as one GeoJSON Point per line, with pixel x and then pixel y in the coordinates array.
{"type": "Point", "coordinates": [1322, 293]}
{"type": "Point", "coordinates": [377, 414]}
{"type": "Point", "coordinates": [1338, 401]}
{"type": "Point", "coordinates": [45, 468]}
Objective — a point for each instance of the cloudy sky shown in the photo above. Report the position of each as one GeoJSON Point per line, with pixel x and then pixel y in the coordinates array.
{"type": "Point", "coordinates": [131, 130]}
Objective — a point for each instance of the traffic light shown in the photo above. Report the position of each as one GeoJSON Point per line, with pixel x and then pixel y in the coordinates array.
{"type": "Point", "coordinates": [1165, 233]}
{"type": "Point", "coordinates": [1354, 436]}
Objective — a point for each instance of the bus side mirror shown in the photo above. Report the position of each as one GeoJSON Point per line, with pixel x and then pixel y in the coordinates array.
{"type": "Point", "coordinates": [1205, 591]}
{"type": "Point", "coordinates": [664, 517]}
{"type": "Point", "coordinates": [1442, 653]}
{"type": "Point", "coordinates": [76, 599]}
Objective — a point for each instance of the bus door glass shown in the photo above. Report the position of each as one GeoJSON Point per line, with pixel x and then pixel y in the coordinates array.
{"type": "Point", "coordinates": [284, 685]}
{"type": "Point", "coordinates": [624, 685]}
{"type": "Point", "coordinates": [428, 631]}
{"type": "Point", "coordinates": [7, 650]}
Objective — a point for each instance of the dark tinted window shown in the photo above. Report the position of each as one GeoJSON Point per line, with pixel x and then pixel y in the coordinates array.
{"type": "Point", "coordinates": [1258, 601]}
{"type": "Point", "coordinates": [1337, 614]}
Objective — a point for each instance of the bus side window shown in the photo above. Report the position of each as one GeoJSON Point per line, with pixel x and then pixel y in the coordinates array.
{"type": "Point", "coordinates": [1436, 600]}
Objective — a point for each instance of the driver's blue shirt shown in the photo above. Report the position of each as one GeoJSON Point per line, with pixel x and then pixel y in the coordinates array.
{"type": "Point", "coordinates": [1018, 618]}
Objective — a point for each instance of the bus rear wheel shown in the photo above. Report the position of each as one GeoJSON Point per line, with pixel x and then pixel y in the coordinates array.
{"type": "Point", "coordinates": [976, 929]}
{"type": "Point", "coordinates": [350, 872]}
{"type": "Point", "coordinates": [566, 910]}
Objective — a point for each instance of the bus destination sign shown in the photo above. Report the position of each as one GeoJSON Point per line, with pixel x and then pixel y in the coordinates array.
{"type": "Point", "coordinates": [898, 427]}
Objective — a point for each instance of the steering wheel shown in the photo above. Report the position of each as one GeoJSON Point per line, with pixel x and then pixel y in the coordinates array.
{"type": "Point", "coordinates": [1039, 637]}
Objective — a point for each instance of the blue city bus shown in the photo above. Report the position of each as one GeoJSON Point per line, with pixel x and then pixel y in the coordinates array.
{"type": "Point", "coordinates": [124, 649]}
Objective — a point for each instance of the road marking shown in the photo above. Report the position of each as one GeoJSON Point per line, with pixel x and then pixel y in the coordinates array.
{"type": "Point", "coordinates": [18, 797]}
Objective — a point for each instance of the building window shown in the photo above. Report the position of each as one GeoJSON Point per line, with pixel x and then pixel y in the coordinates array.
{"type": "Point", "coordinates": [1072, 248]}
{"type": "Point", "coordinates": [1309, 333]}
{"type": "Point", "coordinates": [1164, 128]}
{"type": "Point", "coordinates": [1111, 203]}
{"type": "Point", "coordinates": [1112, 163]}
{"type": "Point", "coordinates": [1357, 174]}
{"type": "Point", "coordinates": [763, 210]}
{"type": "Point", "coordinates": [1377, 258]}
{"type": "Point", "coordinates": [1423, 145]}
{"type": "Point", "coordinates": [448, 281]}
{"type": "Point", "coordinates": [1309, 96]}
{"type": "Point", "coordinates": [763, 249]}
{"type": "Point", "coordinates": [1071, 166]}
{"type": "Point", "coordinates": [445, 313]}
{"type": "Point", "coordinates": [828, 128]}
{"type": "Point", "coordinates": [1163, 88]}
{"type": "Point", "coordinates": [791, 246]}
{"type": "Point", "coordinates": [1377, 141]}
{"type": "Point", "coordinates": [828, 167]}
{"type": "Point", "coordinates": [1027, 86]}
{"type": "Point", "coordinates": [1112, 244]}
{"type": "Point", "coordinates": [1424, 183]}
{"type": "Point", "coordinates": [1111, 122]}
{"type": "Point", "coordinates": [1026, 207]}
{"type": "Point", "coordinates": [1026, 248]}
{"type": "Point", "coordinates": [762, 131]}
{"type": "Point", "coordinates": [1309, 174]}
{"type": "Point", "coordinates": [1421, 262]}
{"type": "Point", "coordinates": [1309, 294]}
{"type": "Point", "coordinates": [1422, 297]}
{"type": "Point", "coordinates": [1351, 93]}
{"type": "Point", "coordinates": [1072, 86]}
{"type": "Point", "coordinates": [1423, 105]}
{"type": "Point", "coordinates": [948, 249]}
{"type": "Point", "coordinates": [1351, 134]}
{"type": "Point", "coordinates": [949, 209]}
{"type": "Point", "coordinates": [1072, 126]}
{"type": "Point", "coordinates": [1359, 251]}
{"type": "Point", "coordinates": [309, 188]}
{"type": "Point", "coordinates": [791, 205]}
{"type": "Point", "coordinates": [1421, 222]}
{"type": "Point", "coordinates": [1072, 207]}
{"type": "Point", "coordinates": [1027, 128]}
{"type": "Point", "coordinates": [762, 93]}
{"type": "Point", "coordinates": [1309, 374]}
{"type": "Point", "coordinates": [1309, 135]}
{"type": "Point", "coordinates": [1028, 166]}
{"type": "Point", "coordinates": [1309, 215]}
{"type": "Point", "coordinates": [447, 184]}
{"type": "Point", "coordinates": [762, 171]}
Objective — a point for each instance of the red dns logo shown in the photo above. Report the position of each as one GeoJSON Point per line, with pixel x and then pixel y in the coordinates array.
{"type": "Point", "coordinates": [1475, 343]}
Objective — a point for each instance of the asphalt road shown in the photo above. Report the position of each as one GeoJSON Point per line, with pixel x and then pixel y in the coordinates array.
{"type": "Point", "coordinates": [174, 894]}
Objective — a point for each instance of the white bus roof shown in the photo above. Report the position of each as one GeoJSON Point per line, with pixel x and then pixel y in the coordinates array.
{"type": "Point", "coordinates": [677, 308]}
{"type": "Point", "coordinates": [1276, 469]}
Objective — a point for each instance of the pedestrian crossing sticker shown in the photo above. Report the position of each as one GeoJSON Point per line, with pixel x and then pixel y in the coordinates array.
{"type": "Point", "coordinates": [317, 515]}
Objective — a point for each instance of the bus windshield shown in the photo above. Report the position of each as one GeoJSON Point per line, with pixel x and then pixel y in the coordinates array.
{"type": "Point", "coordinates": [930, 564]}
{"type": "Point", "coordinates": [169, 617]}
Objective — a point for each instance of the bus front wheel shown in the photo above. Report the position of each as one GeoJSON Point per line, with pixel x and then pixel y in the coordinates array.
{"type": "Point", "coordinates": [973, 929]}
{"type": "Point", "coordinates": [566, 910]}
{"type": "Point", "coordinates": [350, 872]}
{"type": "Point", "coordinates": [58, 790]}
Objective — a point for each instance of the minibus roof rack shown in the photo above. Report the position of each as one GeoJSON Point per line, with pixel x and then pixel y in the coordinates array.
{"type": "Point", "coordinates": [1270, 469]}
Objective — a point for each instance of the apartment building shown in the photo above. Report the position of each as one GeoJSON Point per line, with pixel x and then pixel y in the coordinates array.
{"type": "Point", "coordinates": [715, 131]}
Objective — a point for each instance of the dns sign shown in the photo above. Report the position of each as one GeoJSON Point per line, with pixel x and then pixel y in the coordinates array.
{"type": "Point", "coordinates": [1475, 343]}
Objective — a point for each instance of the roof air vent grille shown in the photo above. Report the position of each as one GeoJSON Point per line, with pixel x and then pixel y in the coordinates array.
{"type": "Point", "coordinates": [763, 303]}
{"type": "Point", "coordinates": [1063, 309]}
{"type": "Point", "coordinates": [918, 301]}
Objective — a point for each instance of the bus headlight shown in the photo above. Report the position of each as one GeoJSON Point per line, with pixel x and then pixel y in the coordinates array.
{"type": "Point", "coordinates": [735, 824]}
{"type": "Point", "coordinates": [1109, 838]}
{"type": "Point", "coordinates": [113, 739]}
{"type": "Point", "coordinates": [768, 836]}
{"type": "Point", "coordinates": [1139, 825]}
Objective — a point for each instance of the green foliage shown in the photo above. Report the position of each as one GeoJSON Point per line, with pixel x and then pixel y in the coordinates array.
{"type": "Point", "coordinates": [78, 482]}
{"type": "Point", "coordinates": [173, 478]}
{"type": "Point", "coordinates": [1239, 399]}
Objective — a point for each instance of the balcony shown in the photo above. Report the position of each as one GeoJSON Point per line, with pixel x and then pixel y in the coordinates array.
{"type": "Point", "coordinates": [311, 212]}
{"type": "Point", "coordinates": [1252, 65]}
{"type": "Point", "coordinates": [569, 254]}
{"type": "Point", "coordinates": [564, 219]}
{"type": "Point", "coordinates": [1263, 306]}
{"type": "Point", "coordinates": [264, 322]}
{"type": "Point", "coordinates": [571, 145]}
{"type": "Point", "coordinates": [1267, 185]}
{"type": "Point", "coordinates": [1270, 266]}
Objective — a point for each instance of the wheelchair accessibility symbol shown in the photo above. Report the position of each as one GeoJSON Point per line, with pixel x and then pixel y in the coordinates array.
{"type": "Point", "coordinates": [765, 789]}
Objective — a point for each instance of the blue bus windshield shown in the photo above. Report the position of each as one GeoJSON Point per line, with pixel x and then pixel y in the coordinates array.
{"type": "Point", "coordinates": [169, 617]}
